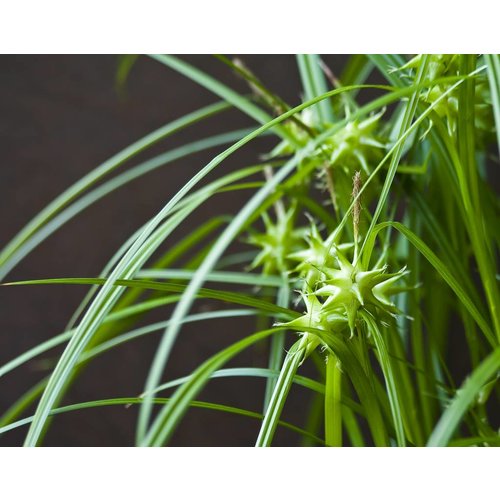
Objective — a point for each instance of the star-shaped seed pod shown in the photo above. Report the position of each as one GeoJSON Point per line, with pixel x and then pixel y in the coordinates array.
{"type": "Point", "coordinates": [442, 65]}
{"type": "Point", "coordinates": [348, 287]}
{"type": "Point", "coordinates": [315, 317]}
{"type": "Point", "coordinates": [356, 145]}
{"type": "Point", "coordinates": [333, 302]}
{"type": "Point", "coordinates": [318, 254]}
{"type": "Point", "coordinates": [279, 240]}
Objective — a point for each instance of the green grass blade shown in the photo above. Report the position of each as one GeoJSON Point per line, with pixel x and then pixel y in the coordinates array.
{"type": "Point", "coordinates": [223, 91]}
{"type": "Point", "coordinates": [208, 264]}
{"type": "Point", "coordinates": [442, 239]}
{"type": "Point", "coordinates": [75, 208]}
{"type": "Point", "coordinates": [124, 66]}
{"type": "Point", "coordinates": [409, 113]}
{"type": "Point", "coordinates": [214, 276]}
{"type": "Point", "coordinates": [386, 64]}
{"type": "Point", "coordinates": [98, 173]}
{"type": "Point", "coordinates": [356, 70]}
{"type": "Point", "coordinates": [126, 402]}
{"type": "Point", "coordinates": [107, 297]}
{"type": "Point", "coordinates": [396, 146]}
{"type": "Point", "coordinates": [352, 428]}
{"type": "Point", "coordinates": [314, 83]}
{"type": "Point", "coordinates": [125, 337]}
{"type": "Point", "coordinates": [464, 398]}
{"type": "Point", "coordinates": [333, 397]}
{"type": "Point", "coordinates": [390, 382]}
{"type": "Point", "coordinates": [363, 386]}
{"type": "Point", "coordinates": [281, 390]}
{"type": "Point", "coordinates": [443, 271]}
{"type": "Point", "coordinates": [168, 418]}
{"type": "Point", "coordinates": [277, 347]}
{"type": "Point", "coordinates": [170, 256]}
{"type": "Point", "coordinates": [475, 441]}
{"type": "Point", "coordinates": [30, 397]}
{"type": "Point", "coordinates": [493, 69]}
{"type": "Point", "coordinates": [231, 297]}
{"type": "Point", "coordinates": [306, 382]}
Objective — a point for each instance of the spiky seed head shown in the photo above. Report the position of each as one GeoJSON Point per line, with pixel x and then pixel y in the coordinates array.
{"type": "Point", "coordinates": [341, 289]}
{"type": "Point", "coordinates": [277, 243]}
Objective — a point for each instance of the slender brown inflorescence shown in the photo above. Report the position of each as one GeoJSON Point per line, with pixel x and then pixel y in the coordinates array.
{"type": "Point", "coordinates": [356, 211]}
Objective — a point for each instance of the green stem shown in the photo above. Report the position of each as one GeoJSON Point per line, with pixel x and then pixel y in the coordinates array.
{"type": "Point", "coordinates": [280, 393]}
{"type": "Point", "coordinates": [385, 364]}
{"type": "Point", "coordinates": [333, 394]}
{"type": "Point", "coordinates": [277, 347]}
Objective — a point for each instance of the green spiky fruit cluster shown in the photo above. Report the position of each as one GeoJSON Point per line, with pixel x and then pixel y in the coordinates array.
{"type": "Point", "coordinates": [277, 243]}
{"type": "Point", "coordinates": [355, 146]}
{"type": "Point", "coordinates": [443, 65]}
{"type": "Point", "coordinates": [336, 289]}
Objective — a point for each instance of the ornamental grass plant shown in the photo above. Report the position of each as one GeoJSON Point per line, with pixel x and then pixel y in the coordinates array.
{"type": "Point", "coordinates": [366, 245]}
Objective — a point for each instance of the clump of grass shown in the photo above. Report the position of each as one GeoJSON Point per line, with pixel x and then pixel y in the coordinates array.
{"type": "Point", "coordinates": [379, 225]}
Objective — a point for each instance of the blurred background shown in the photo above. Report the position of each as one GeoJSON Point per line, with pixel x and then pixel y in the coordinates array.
{"type": "Point", "coordinates": [60, 117]}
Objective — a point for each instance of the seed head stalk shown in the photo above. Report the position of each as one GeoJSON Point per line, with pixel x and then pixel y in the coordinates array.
{"type": "Point", "coordinates": [356, 212]}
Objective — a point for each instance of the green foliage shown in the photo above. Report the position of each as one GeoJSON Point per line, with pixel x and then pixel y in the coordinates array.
{"type": "Point", "coordinates": [376, 269]}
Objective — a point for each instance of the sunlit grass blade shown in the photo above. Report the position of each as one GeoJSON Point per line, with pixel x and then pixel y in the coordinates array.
{"type": "Point", "coordinates": [306, 382]}
{"type": "Point", "coordinates": [277, 346]}
{"type": "Point", "coordinates": [223, 91]}
{"type": "Point", "coordinates": [443, 271]}
{"type": "Point", "coordinates": [385, 364]}
{"type": "Point", "coordinates": [168, 418]}
{"type": "Point", "coordinates": [314, 83]}
{"type": "Point", "coordinates": [127, 402]}
{"type": "Point", "coordinates": [232, 297]}
{"type": "Point", "coordinates": [8, 254]}
{"type": "Point", "coordinates": [493, 69]}
{"type": "Point", "coordinates": [69, 212]}
{"type": "Point", "coordinates": [120, 339]}
{"type": "Point", "coordinates": [214, 276]}
{"type": "Point", "coordinates": [107, 297]}
{"type": "Point", "coordinates": [273, 413]}
{"type": "Point", "coordinates": [363, 386]}
{"type": "Point", "coordinates": [409, 113]}
{"type": "Point", "coordinates": [333, 397]}
{"type": "Point", "coordinates": [448, 422]}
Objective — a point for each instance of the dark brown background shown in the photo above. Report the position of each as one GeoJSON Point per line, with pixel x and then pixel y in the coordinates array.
{"type": "Point", "coordinates": [60, 116]}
